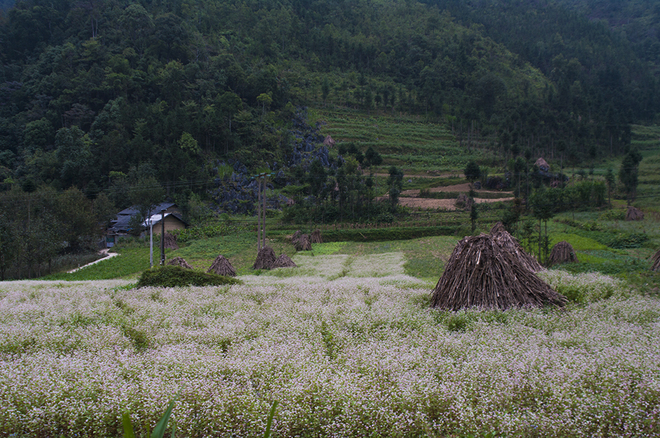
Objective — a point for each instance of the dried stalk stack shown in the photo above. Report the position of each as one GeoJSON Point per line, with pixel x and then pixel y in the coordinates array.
{"type": "Point", "coordinates": [284, 261]}
{"type": "Point", "coordinates": [498, 228]}
{"type": "Point", "coordinates": [509, 243]}
{"type": "Point", "coordinates": [296, 237]}
{"type": "Point", "coordinates": [179, 261]}
{"type": "Point", "coordinates": [303, 243]}
{"type": "Point", "coordinates": [562, 252]}
{"type": "Point", "coordinates": [634, 214]}
{"type": "Point", "coordinates": [316, 237]}
{"type": "Point", "coordinates": [222, 266]}
{"type": "Point", "coordinates": [464, 202]}
{"type": "Point", "coordinates": [656, 261]}
{"type": "Point", "coordinates": [482, 273]}
{"type": "Point", "coordinates": [265, 258]}
{"type": "Point", "coordinates": [170, 241]}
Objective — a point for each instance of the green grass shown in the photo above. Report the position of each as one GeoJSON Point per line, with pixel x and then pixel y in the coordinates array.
{"type": "Point", "coordinates": [129, 264]}
{"type": "Point", "coordinates": [425, 257]}
{"type": "Point", "coordinates": [403, 141]}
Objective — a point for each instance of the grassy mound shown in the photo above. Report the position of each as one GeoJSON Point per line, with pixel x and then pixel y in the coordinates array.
{"type": "Point", "coordinates": [173, 276]}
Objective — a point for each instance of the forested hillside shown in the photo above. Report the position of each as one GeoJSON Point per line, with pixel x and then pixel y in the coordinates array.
{"type": "Point", "coordinates": [92, 89]}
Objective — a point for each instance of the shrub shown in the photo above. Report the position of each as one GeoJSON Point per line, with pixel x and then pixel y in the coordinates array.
{"type": "Point", "coordinates": [176, 276]}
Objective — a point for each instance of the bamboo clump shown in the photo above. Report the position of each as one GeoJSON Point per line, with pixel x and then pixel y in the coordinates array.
{"type": "Point", "coordinates": [483, 273]}
{"type": "Point", "coordinates": [562, 252]}
{"type": "Point", "coordinates": [222, 266]}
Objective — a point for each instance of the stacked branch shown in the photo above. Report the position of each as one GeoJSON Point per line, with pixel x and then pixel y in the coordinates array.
{"type": "Point", "coordinates": [284, 261]}
{"type": "Point", "coordinates": [511, 245]}
{"type": "Point", "coordinates": [656, 261]}
{"type": "Point", "coordinates": [562, 252]}
{"type": "Point", "coordinates": [170, 241]}
{"type": "Point", "coordinates": [498, 228]}
{"type": "Point", "coordinates": [303, 243]}
{"type": "Point", "coordinates": [482, 273]}
{"type": "Point", "coordinates": [296, 237]}
{"type": "Point", "coordinates": [265, 258]}
{"type": "Point", "coordinates": [222, 266]}
{"type": "Point", "coordinates": [634, 214]}
{"type": "Point", "coordinates": [179, 261]}
{"type": "Point", "coordinates": [464, 202]}
{"type": "Point", "coordinates": [316, 237]}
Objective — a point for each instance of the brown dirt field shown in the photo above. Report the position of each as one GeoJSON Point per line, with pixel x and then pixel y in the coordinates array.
{"type": "Point", "coordinates": [460, 188]}
{"type": "Point", "coordinates": [432, 204]}
{"type": "Point", "coordinates": [446, 204]}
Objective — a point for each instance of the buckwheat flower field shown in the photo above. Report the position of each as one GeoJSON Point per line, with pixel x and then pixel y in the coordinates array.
{"type": "Point", "coordinates": [344, 354]}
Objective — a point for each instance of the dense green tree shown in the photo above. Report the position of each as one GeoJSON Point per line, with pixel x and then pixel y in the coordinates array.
{"type": "Point", "coordinates": [628, 174]}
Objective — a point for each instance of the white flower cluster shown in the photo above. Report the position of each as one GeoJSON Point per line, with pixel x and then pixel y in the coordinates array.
{"type": "Point", "coordinates": [356, 356]}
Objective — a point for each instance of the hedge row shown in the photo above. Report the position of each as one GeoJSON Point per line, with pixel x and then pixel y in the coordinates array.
{"type": "Point", "coordinates": [176, 276]}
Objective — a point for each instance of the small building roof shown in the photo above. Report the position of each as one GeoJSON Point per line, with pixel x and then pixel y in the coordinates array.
{"type": "Point", "coordinates": [542, 164]}
{"type": "Point", "coordinates": [130, 211]}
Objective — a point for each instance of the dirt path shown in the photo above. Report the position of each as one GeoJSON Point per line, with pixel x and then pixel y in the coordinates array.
{"type": "Point", "coordinates": [109, 255]}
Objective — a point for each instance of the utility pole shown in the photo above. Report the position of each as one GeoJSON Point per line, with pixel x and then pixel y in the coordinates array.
{"type": "Point", "coordinates": [263, 197]}
{"type": "Point", "coordinates": [258, 214]}
{"type": "Point", "coordinates": [261, 209]}
{"type": "Point", "coordinates": [151, 241]}
{"type": "Point", "coordinates": [162, 238]}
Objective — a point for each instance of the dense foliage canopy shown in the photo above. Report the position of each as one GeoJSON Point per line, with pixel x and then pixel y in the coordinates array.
{"type": "Point", "coordinates": [92, 89]}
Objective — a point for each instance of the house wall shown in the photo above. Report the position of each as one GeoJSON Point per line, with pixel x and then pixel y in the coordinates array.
{"type": "Point", "coordinates": [171, 223]}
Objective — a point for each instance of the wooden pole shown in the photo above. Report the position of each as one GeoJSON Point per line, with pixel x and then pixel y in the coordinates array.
{"type": "Point", "coordinates": [263, 210]}
{"type": "Point", "coordinates": [162, 237]}
{"type": "Point", "coordinates": [258, 214]}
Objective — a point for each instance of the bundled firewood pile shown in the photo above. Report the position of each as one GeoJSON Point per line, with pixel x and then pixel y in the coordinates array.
{"type": "Point", "coordinates": [316, 237]}
{"type": "Point", "coordinates": [656, 261]}
{"type": "Point", "coordinates": [170, 241]}
{"type": "Point", "coordinates": [634, 214]}
{"type": "Point", "coordinates": [509, 243]}
{"type": "Point", "coordinates": [222, 266]}
{"type": "Point", "coordinates": [302, 241]}
{"type": "Point", "coordinates": [179, 261]}
{"type": "Point", "coordinates": [265, 258]}
{"type": "Point", "coordinates": [562, 252]}
{"type": "Point", "coordinates": [484, 272]}
{"type": "Point", "coordinates": [284, 261]}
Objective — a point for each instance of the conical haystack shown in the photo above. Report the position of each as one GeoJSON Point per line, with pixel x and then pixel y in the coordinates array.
{"type": "Point", "coordinates": [303, 243]}
{"type": "Point", "coordinates": [656, 261]}
{"type": "Point", "coordinates": [284, 261]}
{"type": "Point", "coordinates": [634, 214]}
{"type": "Point", "coordinates": [482, 273]}
{"type": "Point", "coordinates": [222, 266]}
{"type": "Point", "coordinates": [316, 237]}
{"type": "Point", "coordinates": [498, 228]}
{"type": "Point", "coordinates": [510, 244]}
{"type": "Point", "coordinates": [296, 237]}
{"type": "Point", "coordinates": [562, 252]}
{"type": "Point", "coordinates": [170, 241]}
{"type": "Point", "coordinates": [179, 261]}
{"type": "Point", "coordinates": [265, 258]}
{"type": "Point", "coordinates": [463, 201]}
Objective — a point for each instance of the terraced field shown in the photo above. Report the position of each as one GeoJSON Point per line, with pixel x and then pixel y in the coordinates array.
{"type": "Point", "coordinates": [417, 146]}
